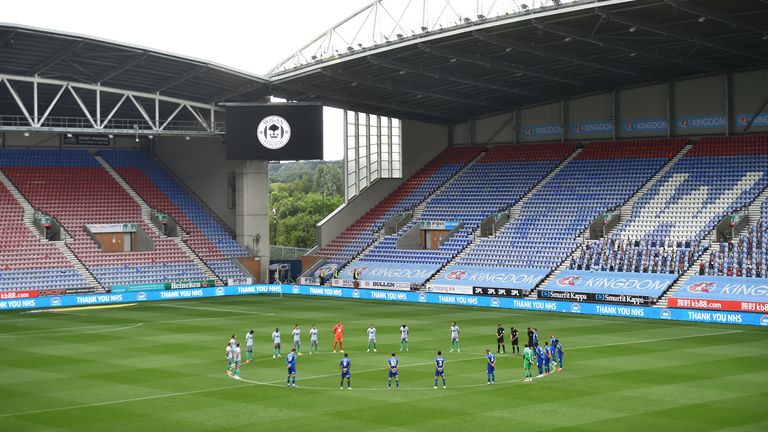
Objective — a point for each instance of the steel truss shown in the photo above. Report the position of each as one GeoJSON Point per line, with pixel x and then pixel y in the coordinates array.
{"type": "Point", "coordinates": [383, 22]}
{"type": "Point", "coordinates": [37, 117]}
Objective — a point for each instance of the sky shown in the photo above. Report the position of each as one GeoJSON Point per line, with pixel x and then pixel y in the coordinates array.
{"type": "Point", "coordinates": [252, 36]}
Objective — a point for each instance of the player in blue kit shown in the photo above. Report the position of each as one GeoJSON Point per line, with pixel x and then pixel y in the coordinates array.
{"type": "Point", "coordinates": [439, 368]}
{"type": "Point", "coordinates": [547, 357]}
{"type": "Point", "coordinates": [290, 361]}
{"type": "Point", "coordinates": [559, 351]}
{"type": "Point", "coordinates": [491, 366]}
{"type": "Point", "coordinates": [539, 358]}
{"type": "Point", "coordinates": [393, 365]}
{"type": "Point", "coordinates": [345, 365]}
{"type": "Point", "coordinates": [552, 345]}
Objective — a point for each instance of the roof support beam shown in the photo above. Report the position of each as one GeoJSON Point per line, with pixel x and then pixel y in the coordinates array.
{"type": "Point", "coordinates": [553, 53]}
{"type": "Point", "coordinates": [122, 67]}
{"type": "Point", "coordinates": [678, 34]}
{"type": "Point", "coordinates": [63, 54]}
{"type": "Point", "coordinates": [622, 46]}
{"type": "Point", "coordinates": [82, 106]}
{"type": "Point", "coordinates": [717, 15]}
{"type": "Point", "coordinates": [493, 63]}
{"type": "Point", "coordinates": [453, 76]}
{"type": "Point", "coordinates": [19, 102]}
{"type": "Point", "coordinates": [390, 85]}
{"type": "Point", "coordinates": [343, 97]}
{"type": "Point", "coordinates": [50, 107]}
{"type": "Point", "coordinates": [194, 73]}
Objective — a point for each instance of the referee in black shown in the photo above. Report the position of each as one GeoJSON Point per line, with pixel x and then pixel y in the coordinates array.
{"type": "Point", "coordinates": [530, 337]}
{"type": "Point", "coordinates": [500, 346]}
{"type": "Point", "coordinates": [513, 340]}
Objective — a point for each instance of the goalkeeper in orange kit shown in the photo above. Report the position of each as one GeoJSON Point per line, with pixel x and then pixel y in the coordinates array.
{"type": "Point", "coordinates": [338, 336]}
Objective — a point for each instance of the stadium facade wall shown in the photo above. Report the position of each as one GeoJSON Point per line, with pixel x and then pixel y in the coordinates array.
{"type": "Point", "coordinates": [708, 105]}
{"type": "Point", "coordinates": [202, 164]}
{"type": "Point", "coordinates": [641, 312]}
{"type": "Point", "coordinates": [421, 142]}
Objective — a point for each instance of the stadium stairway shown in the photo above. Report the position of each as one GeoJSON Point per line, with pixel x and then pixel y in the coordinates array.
{"type": "Point", "coordinates": [514, 213]}
{"type": "Point", "coordinates": [146, 216]}
{"type": "Point", "coordinates": [28, 218]}
{"type": "Point", "coordinates": [418, 209]}
{"type": "Point", "coordinates": [625, 212]}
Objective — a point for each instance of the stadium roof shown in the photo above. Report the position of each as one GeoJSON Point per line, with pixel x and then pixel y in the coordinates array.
{"type": "Point", "coordinates": [27, 51]}
{"type": "Point", "coordinates": [520, 53]}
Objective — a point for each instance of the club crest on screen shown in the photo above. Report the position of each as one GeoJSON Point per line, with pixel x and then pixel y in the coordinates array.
{"type": "Point", "coordinates": [274, 132]}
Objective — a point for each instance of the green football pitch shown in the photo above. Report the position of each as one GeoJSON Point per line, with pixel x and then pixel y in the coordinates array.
{"type": "Point", "coordinates": [161, 366]}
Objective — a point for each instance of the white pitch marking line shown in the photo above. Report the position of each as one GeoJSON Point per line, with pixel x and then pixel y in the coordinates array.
{"type": "Point", "coordinates": [216, 309]}
{"type": "Point", "coordinates": [22, 333]}
{"type": "Point", "coordinates": [165, 395]}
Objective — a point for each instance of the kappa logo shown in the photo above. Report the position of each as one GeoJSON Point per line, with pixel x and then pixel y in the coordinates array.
{"type": "Point", "coordinates": [575, 308]}
{"type": "Point", "coordinates": [702, 287]}
{"type": "Point", "coordinates": [684, 123]}
{"type": "Point", "coordinates": [422, 298]}
{"type": "Point", "coordinates": [295, 289]}
{"type": "Point", "coordinates": [764, 320]}
{"type": "Point", "coordinates": [274, 132]}
{"type": "Point", "coordinates": [495, 302]}
{"type": "Point", "coordinates": [568, 280]}
{"type": "Point", "coordinates": [456, 275]}
{"type": "Point", "coordinates": [355, 293]}
{"type": "Point", "coordinates": [220, 291]}
{"type": "Point", "coordinates": [665, 314]}
{"type": "Point", "coordinates": [141, 296]}
{"type": "Point", "coordinates": [56, 301]}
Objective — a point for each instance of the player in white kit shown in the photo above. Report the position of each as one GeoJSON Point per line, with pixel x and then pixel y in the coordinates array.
{"type": "Point", "coordinates": [249, 347]}
{"type": "Point", "coordinates": [404, 332]}
{"type": "Point", "coordinates": [297, 338]}
{"type": "Point", "coordinates": [371, 338]}
{"type": "Point", "coordinates": [276, 342]}
{"type": "Point", "coordinates": [229, 358]}
{"type": "Point", "coordinates": [455, 337]}
{"type": "Point", "coordinates": [313, 339]}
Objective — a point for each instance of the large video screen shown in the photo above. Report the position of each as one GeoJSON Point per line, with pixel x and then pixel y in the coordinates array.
{"type": "Point", "coordinates": [275, 132]}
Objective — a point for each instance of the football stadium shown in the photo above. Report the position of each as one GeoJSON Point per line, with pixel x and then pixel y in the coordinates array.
{"type": "Point", "coordinates": [554, 216]}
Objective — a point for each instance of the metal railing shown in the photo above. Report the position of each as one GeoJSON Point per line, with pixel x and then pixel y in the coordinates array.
{"type": "Point", "coordinates": [286, 252]}
{"type": "Point", "coordinates": [125, 126]}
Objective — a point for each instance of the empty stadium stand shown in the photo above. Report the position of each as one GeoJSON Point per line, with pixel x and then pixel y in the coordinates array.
{"type": "Point", "coordinates": [26, 261]}
{"type": "Point", "coordinates": [493, 183]}
{"type": "Point", "coordinates": [600, 178]}
{"type": "Point", "coordinates": [364, 231]}
{"type": "Point", "coordinates": [204, 235]}
{"type": "Point", "coordinates": [72, 187]}
{"type": "Point", "coordinates": [667, 230]}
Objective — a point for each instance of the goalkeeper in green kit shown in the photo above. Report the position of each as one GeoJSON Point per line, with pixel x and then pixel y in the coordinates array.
{"type": "Point", "coordinates": [527, 363]}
